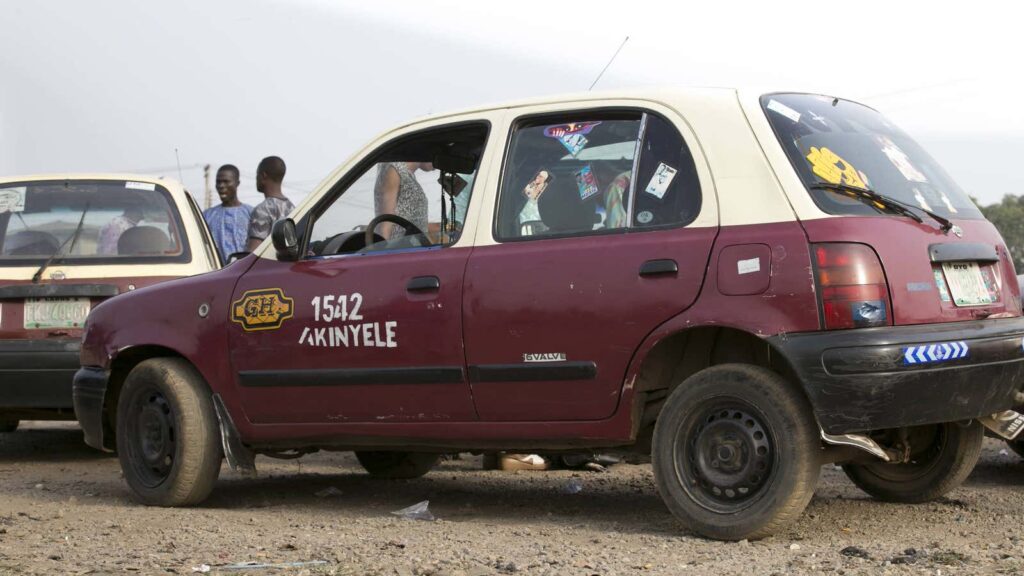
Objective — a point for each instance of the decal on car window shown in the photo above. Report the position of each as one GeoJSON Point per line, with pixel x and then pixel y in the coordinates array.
{"type": "Point", "coordinates": [779, 107]}
{"type": "Point", "coordinates": [263, 309]}
{"type": "Point", "coordinates": [900, 160]}
{"type": "Point", "coordinates": [586, 182]}
{"type": "Point", "coordinates": [140, 186]}
{"type": "Point", "coordinates": [830, 167]}
{"type": "Point", "coordinates": [12, 200]}
{"type": "Point", "coordinates": [344, 329]}
{"type": "Point", "coordinates": [661, 180]}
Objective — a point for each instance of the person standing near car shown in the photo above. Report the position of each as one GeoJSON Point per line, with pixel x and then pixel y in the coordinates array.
{"type": "Point", "coordinates": [269, 176]}
{"type": "Point", "coordinates": [229, 221]}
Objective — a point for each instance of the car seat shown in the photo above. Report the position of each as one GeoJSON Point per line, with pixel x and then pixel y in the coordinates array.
{"type": "Point", "coordinates": [142, 240]}
{"type": "Point", "coordinates": [561, 209]}
{"type": "Point", "coordinates": [31, 243]}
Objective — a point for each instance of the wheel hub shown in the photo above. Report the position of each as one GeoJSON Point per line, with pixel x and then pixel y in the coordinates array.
{"type": "Point", "coordinates": [728, 457]}
{"type": "Point", "coordinates": [154, 436]}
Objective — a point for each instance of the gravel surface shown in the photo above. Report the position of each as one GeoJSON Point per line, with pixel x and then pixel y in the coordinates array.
{"type": "Point", "coordinates": [64, 509]}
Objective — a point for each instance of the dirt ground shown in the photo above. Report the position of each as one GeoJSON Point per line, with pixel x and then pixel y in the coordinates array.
{"type": "Point", "coordinates": [64, 509]}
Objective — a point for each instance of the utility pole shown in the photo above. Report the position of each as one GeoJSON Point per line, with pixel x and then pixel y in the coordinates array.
{"type": "Point", "coordinates": [206, 179]}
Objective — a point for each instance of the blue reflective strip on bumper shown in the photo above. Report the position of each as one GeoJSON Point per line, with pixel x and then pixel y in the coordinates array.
{"type": "Point", "coordinates": [937, 352]}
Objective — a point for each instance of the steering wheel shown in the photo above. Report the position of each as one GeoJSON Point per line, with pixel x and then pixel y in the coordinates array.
{"type": "Point", "coordinates": [410, 228]}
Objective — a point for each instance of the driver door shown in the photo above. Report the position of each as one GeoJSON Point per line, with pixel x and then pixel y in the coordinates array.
{"type": "Point", "coordinates": [356, 331]}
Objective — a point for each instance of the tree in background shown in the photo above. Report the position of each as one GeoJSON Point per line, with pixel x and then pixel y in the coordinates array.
{"type": "Point", "coordinates": [1008, 218]}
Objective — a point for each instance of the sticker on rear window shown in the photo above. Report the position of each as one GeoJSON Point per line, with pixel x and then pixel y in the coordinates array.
{"type": "Point", "coordinates": [920, 200]}
{"type": "Point", "coordinates": [140, 185]}
{"type": "Point", "coordinates": [830, 167]}
{"type": "Point", "coordinates": [12, 200]}
{"type": "Point", "coordinates": [900, 160]}
{"type": "Point", "coordinates": [661, 180]}
{"type": "Point", "coordinates": [586, 182]}
{"type": "Point", "coordinates": [779, 107]}
{"type": "Point", "coordinates": [945, 200]}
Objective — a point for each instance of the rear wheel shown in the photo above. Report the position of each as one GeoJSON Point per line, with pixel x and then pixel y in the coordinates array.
{"type": "Point", "coordinates": [167, 434]}
{"type": "Point", "coordinates": [941, 458]}
{"type": "Point", "coordinates": [397, 464]}
{"type": "Point", "coordinates": [735, 452]}
{"type": "Point", "coordinates": [8, 426]}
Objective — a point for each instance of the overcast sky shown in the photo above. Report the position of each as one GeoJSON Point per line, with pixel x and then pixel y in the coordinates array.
{"type": "Point", "coordinates": [117, 85]}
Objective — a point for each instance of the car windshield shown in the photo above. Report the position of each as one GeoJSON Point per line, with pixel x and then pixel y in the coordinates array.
{"type": "Point", "coordinates": [119, 220]}
{"type": "Point", "coordinates": [830, 140]}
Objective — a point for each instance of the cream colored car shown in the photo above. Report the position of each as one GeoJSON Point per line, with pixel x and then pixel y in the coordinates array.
{"type": "Point", "coordinates": [68, 242]}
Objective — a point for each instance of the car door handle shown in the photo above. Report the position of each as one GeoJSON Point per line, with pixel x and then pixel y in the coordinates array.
{"type": "Point", "coordinates": [658, 267]}
{"type": "Point", "coordinates": [423, 284]}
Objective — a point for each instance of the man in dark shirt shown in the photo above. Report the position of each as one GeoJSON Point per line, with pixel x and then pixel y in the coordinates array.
{"type": "Point", "coordinates": [275, 205]}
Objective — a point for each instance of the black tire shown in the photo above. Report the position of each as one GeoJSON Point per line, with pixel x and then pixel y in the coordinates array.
{"type": "Point", "coordinates": [8, 426]}
{"type": "Point", "coordinates": [736, 452]}
{"type": "Point", "coordinates": [168, 437]}
{"type": "Point", "coordinates": [942, 457]}
{"type": "Point", "coordinates": [1017, 446]}
{"type": "Point", "coordinates": [397, 465]}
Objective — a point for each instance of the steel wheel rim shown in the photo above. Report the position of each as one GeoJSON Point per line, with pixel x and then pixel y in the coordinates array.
{"type": "Point", "coordinates": [152, 437]}
{"type": "Point", "coordinates": [725, 455]}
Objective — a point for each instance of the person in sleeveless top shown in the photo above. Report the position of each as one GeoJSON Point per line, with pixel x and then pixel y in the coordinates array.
{"type": "Point", "coordinates": [398, 192]}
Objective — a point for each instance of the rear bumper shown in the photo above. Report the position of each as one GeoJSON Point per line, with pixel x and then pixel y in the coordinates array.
{"type": "Point", "coordinates": [877, 378]}
{"type": "Point", "coordinates": [90, 388]}
{"type": "Point", "coordinates": [37, 374]}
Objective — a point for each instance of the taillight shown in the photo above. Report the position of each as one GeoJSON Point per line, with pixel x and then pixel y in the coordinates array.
{"type": "Point", "coordinates": [851, 286]}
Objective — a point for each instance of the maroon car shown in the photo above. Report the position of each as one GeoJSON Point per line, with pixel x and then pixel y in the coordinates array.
{"type": "Point", "coordinates": [744, 286]}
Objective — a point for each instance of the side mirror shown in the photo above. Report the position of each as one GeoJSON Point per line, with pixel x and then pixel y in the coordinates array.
{"type": "Point", "coordinates": [286, 241]}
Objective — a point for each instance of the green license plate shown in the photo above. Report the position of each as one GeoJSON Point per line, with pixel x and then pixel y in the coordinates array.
{"type": "Point", "coordinates": [55, 312]}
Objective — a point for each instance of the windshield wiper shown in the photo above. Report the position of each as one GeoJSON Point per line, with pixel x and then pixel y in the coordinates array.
{"type": "Point", "coordinates": [886, 201]}
{"type": "Point", "coordinates": [72, 239]}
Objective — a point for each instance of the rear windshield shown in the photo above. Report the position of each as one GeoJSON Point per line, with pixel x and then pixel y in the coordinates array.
{"type": "Point", "coordinates": [89, 222]}
{"type": "Point", "coordinates": [836, 141]}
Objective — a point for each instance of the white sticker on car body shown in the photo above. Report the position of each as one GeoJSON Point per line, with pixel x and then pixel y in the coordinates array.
{"type": "Point", "coordinates": [346, 326]}
{"type": "Point", "coordinates": [140, 185]}
{"type": "Point", "coordinates": [12, 200]}
{"type": "Point", "coordinates": [779, 107]}
{"type": "Point", "coordinates": [661, 180]}
{"type": "Point", "coordinates": [748, 266]}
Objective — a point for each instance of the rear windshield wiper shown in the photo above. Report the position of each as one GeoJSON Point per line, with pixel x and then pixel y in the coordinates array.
{"type": "Point", "coordinates": [72, 239]}
{"type": "Point", "coordinates": [886, 202]}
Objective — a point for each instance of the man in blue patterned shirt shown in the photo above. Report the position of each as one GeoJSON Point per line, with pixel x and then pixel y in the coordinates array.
{"type": "Point", "coordinates": [229, 222]}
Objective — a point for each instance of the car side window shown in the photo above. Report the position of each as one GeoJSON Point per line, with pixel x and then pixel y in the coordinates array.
{"type": "Point", "coordinates": [575, 175]}
{"type": "Point", "coordinates": [413, 193]}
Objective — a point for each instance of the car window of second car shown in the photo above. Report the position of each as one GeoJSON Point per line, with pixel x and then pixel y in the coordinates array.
{"type": "Point", "coordinates": [413, 193]}
{"type": "Point", "coordinates": [575, 175]}
{"type": "Point", "coordinates": [89, 221]}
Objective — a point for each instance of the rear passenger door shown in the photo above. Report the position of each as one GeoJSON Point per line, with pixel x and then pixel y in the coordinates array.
{"type": "Point", "coordinates": [600, 231]}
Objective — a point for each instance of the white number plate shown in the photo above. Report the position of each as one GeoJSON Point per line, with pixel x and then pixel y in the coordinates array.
{"type": "Point", "coordinates": [966, 285]}
{"type": "Point", "coordinates": [55, 312]}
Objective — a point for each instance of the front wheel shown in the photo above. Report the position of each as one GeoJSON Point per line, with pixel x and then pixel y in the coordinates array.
{"type": "Point", "coordinates": [8, 426]}
{"type": "Point", "coordinates": [397, 465]}
{"type": "Point", "coordinates": [941, 458]}
{"type": "Point", "coordinates": [168, 438]}
{"type": "Point", "coordinates": [736, 452]}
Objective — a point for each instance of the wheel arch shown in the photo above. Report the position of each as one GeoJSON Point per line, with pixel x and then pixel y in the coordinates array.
{"type": "Point", "coordinates": [120, 366]}
{"type": "Point", "coordinates": [679, 355]}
